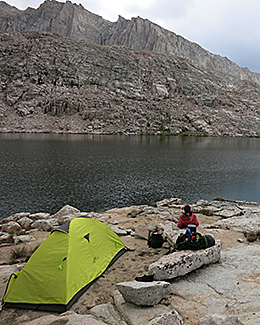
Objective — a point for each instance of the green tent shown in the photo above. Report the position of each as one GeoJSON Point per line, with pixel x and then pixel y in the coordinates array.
{"type": "Point", "coordinates": [64, 266]}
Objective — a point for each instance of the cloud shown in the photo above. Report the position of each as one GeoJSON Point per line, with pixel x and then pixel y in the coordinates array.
{"type": "Point", "coordinates": [229, 28]}
{"type": "Point", "coordinates": [162, 10]}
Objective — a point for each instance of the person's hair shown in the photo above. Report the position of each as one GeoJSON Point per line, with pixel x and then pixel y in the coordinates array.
{"type": "Point", "coordinates": [187, 209]}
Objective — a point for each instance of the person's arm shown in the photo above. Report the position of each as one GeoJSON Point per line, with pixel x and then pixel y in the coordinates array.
{"type": "Point", "coordinates": [179, 224]}
{"type": "Point", "coordinates": [196, 221]}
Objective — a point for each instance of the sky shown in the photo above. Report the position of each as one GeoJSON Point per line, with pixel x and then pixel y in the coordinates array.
{"type": "Point", "coordinates": [230, 28]}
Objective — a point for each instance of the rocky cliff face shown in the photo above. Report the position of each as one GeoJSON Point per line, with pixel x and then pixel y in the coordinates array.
{"type": "Point", "coordinates": [140, 34]}
{"type": "Point", "coordinates": [51, 83]}
{"type": "Point", "coordinates": [74, 21]}
{"type": "Point", "coordinates": [67, 19]}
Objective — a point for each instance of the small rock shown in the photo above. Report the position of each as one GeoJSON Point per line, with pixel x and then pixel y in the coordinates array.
{"type": "Point", "coordinates": [166, 245]}
{"type": "Point", "coordinates": [120, 231]}
{"type": "Point", "coordinates": [22, 319]}
{"type": "Point", "coordinates": [130, 232]}
{"type": "Point", "coordinates": [219, 320]}
{"type": "Point", "coordinates": [251, 236]}
{"type": "Point", "coordinates": [133, 213]}
{"type": "Point", "coordinates": [167, 318]}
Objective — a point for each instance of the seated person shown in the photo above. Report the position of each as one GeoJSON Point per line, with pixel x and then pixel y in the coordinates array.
{"type": "Point", "coordinates": [187, 218]}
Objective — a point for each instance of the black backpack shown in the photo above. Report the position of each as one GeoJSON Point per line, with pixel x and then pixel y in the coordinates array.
{"type": "Point", "coordinates": [206, 241]}
{"type": "Point", "coordinates": [155, 239]}
{"type": "Point", "coordinates": [184, 242]}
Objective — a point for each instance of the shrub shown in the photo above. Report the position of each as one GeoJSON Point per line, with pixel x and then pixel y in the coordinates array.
{"type": "Point", "coordinates": [21, 253]}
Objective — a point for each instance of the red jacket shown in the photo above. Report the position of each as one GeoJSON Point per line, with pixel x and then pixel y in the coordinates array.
{"type": "Point", "coordinates": [185, 220]}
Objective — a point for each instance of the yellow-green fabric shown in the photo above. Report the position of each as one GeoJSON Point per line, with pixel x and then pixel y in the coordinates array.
{"type": "Point", "coordinates": [65, 263]}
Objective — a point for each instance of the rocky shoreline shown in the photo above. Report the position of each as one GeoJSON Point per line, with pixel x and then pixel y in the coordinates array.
{"type": "Point", "coordinates": [225, 292]}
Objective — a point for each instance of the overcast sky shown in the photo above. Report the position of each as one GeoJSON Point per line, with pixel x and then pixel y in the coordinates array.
{"type": "Point", "coordinates": [230, 28]}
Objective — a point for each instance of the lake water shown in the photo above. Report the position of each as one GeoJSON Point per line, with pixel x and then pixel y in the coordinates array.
{"type": "Point", "coordinates": [42, 173]}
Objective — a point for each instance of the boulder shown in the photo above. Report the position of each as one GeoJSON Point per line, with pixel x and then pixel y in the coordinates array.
{"type": "Point", "coordinates": [45, 225]}
{"type": "Point", "coordinates": [65, 219]}
{"type": "Point", "coordinates": [11, 227]}
{"type": "Point", "coordinates": [141, 232]}
{"type": "Point", "coordinates": [126, 211]}
{"type": "Point", "coordinates": [171, 232]}
{"type": "Point", "coordinates": [158, 315]}
{"type": "Point", "coordinates": [228, 288]}
{"type": "Point", "coordinates": [109, 313]}
{"type": "Point", "coordinates": [169, 202]}
{"type": "Point", "coordinates": [39, 216]}
{"type": "Point", "coordinates": [229, 213]}
{"type": "Point", "coordinates": [153, 226]}
{"type": "Point", "coordinates": [23, 239]}
{"type": "Point", "coordinates": [16, 217]}
{"type": "Point", "coordinates": [247, 223]}
{"type": "Point", "coordinates": [6, 238]}
{"type": "Point", "coordinates": [168, 214]}
{"type": "Point", "coordinates": [25, 222]}
{"type": "Point", "coordinates": [143, 293]}
{"type": "Point", "coordinates": [69, 217]}
{"type": "Point", "coordinates": [137, 315]}
{"type": "Point", "coordinates": [66, 210]}
{"type": "Point", "coordinates": [182, 262]}
{"type": "Point", "coordinates": [148, 211]}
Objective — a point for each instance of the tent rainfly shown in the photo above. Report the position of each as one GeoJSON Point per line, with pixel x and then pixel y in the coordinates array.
{"type": "Point", "coordinates": [64, 266]}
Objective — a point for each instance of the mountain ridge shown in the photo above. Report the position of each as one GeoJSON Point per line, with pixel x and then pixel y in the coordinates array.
{"type": "Point", "coordinates": [139, 34]}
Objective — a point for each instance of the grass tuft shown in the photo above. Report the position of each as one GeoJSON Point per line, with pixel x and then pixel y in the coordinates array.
{"type": "Point", "coordinates": [20, 254]}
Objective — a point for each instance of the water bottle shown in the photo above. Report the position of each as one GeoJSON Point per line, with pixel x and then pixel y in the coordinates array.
{"type": "Point", "coordinates": [188, 232]}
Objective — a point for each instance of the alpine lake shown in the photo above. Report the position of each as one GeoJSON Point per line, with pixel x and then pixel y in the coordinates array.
{"type": "Point", "coordinates": [44, 172]}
